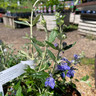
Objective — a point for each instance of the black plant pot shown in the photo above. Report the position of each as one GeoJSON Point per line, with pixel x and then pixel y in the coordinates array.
{"type": "Point", "coordinates": [69, 91]}
{"type": "Point", "coordinates": [20, 14]}
{"type": "Point", "coordinates": [67, 16]}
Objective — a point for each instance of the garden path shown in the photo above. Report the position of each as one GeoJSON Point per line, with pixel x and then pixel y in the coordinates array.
{"type": "Point", "coordinates": [14, 36]}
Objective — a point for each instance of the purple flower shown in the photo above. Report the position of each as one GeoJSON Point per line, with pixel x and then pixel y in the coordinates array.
{"type": "Point", "coordinates": [50, 82]}
{"type": "Point", "coordinates": [63, 75]}
{"type": "Point", "coordinates": [76, 56]}
{"type": "Point", "coordinates": [56, 44]}
{"type": "Point", "coordinates": [70, 73]}
{"type": "Point", "coordinates": [66, 60]}
{"type": "Point", "coordinates": [63, 67]}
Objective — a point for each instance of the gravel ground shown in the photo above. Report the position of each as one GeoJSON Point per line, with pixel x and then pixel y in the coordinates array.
{"type": "Point", "coordinates": [14, 36]}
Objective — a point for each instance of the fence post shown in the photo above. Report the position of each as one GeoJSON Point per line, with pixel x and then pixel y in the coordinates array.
{"type": "Point", "coordinates": [95, 71]}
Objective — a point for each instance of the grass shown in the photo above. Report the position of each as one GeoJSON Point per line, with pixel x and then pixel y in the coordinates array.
{"type": "Point", "coordinates": [88, 61]}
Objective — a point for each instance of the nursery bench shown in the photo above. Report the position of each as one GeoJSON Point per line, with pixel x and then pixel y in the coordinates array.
{"type": "Point", "coordinates": [74, 18]}
{"type": "Point", "coordinates": [9, 21]}
{"type": "Point", "coordinates": [13, 72]}
{"type": "Point", "coordinates": [50, 21]}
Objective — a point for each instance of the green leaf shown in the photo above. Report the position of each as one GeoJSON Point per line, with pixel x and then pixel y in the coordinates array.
{"type": "Point", "coordinates": [52, 36]}
{"type": "Point", "coordinates": [38, 49]}
{"type": "Point", "coordinates": [21, 22]}
{"type": "Point", "coordinates": [25, 54]}
{"type": "Point", "coordinates": [89, 85]}
{"type": "Point", "coordinates": [77, 80]}
{"type": "Point", "coordinates": [85, 78]}
{"type": "Point", "coordinates": [29, 89]}
{"type": "Point", "coordinates": [29, 70]}
{"type": "Point", "coordinates": [46, 65]}
{"type": "Point", "coordinates": [51, 45]}
{"type": "Point", "coordinates": [19, 92]}
{"type": "Point", "coordinates": [42, 75]}
{"type": "Point", "coordinates": [37, 42]}
{"type": "Point", "coordinates": [17, 86]}
{"type": "Point", "coordinates": [1, 94]}
{"type": "Point", "coordinates": [29, 82]}
{"type": "Point", "coordinates": [69, 46]}
{"type": "Point", "coordinates": [51, 55]}
{"type": "Point", "coordinates": [5, 95]}
{"type": "Point", "coordinates": [36, 20]}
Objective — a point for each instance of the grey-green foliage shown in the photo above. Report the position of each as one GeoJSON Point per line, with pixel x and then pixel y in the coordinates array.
{"type": "Point", "coordinates": [8, 58]}
{"type": "Point", "coordinates": [45, 60]}
{"type": "Point", "coordinates": [34, 78]}
{"type": "Point", "coordinates": [1, 56]}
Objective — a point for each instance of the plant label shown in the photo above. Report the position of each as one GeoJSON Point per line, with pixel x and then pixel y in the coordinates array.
{"type": "Point", "coordinates": [11, 73]}
{"type": "Point", "coordinates": [1, 90]}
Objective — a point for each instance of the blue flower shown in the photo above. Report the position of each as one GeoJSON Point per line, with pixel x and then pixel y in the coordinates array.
{"type": "Point", "coordinates": [56, 44]}
{"type": "Point", "coordinates": [76, 56]}
{"type": "Point", "coordinates": [63, 75]}
{"type": "Point", "coordinates": [66, 60]}
{"type": "Point", "coordinates": [63, 67]}
{"type": "Point", "coordinates": [70, 73]}
{"type": "Point", "coordinates": [50, 82]}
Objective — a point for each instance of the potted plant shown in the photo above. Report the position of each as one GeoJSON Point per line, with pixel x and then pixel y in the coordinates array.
{"type": "Point", "coordinates": [48, 77]}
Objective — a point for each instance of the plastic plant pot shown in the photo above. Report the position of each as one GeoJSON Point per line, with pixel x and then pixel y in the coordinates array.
{"type": "Point", "coordinates": [94, 12]}
{"type": "Point", "coordinates": [88, 11]}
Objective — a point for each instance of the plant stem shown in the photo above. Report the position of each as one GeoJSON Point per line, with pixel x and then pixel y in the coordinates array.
{"type": "Point", "coordinates": [31, 32]}
{"type": "Point", "coordinates": [45, 47]}
{"type": "Point", "coordinates": [31, 28]}
{"type": "Point", "coordinates": [35, 3]}
{"type": "Point", "coordinates": [61, 38]}
{"type": "Point", "coordinates": [60, 44]}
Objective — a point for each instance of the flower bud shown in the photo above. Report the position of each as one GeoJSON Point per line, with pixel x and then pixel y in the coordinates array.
{"type": "Point", "coordinates": [64, 44]}
{"type": "Point", "coordinates": [64, 36]}
{"type": "Point", "coordinates": [43, 22]}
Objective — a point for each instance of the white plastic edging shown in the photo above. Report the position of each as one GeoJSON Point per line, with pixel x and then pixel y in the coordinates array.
{"type": "Point", "coordinates": [13, 72]}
